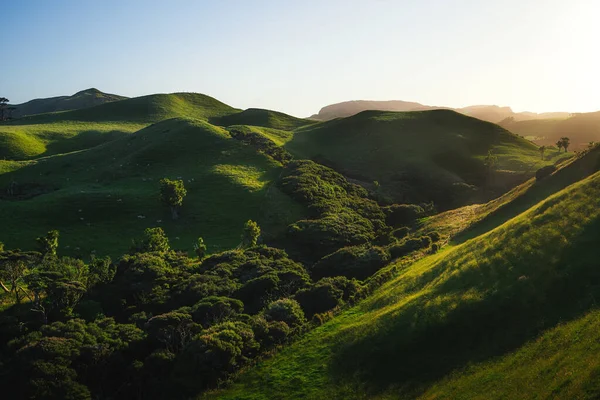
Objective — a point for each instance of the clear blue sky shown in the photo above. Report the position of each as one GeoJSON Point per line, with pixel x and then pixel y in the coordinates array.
{"type": "Point", "coordinates": [297, 56]}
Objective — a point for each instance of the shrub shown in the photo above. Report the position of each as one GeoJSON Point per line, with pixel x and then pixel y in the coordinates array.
{"type": "Point", "coordinates": [544, 172]}
{"type": "Point", "coordinates": [321, 297]}
{"type": "Point", "coordinates": [401, 233]}
{"type": "Point", "coordinates": [285, 310]}
{"type": "Point", "coordinates": [215, 309]}
{"type": "Point", "coordinates": [435, 236]}
{"type": "Point", "coordinates": [435, 248]}
{"type": "Point", "coordinates": [358, 262]}
{"type": "Point", "coordinates": [409, 245]}
{"type": "Point", "coordinates": [402, 214]}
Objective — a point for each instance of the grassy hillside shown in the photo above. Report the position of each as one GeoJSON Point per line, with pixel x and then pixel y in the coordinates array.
{"type": "Point", "coordinates": [420, 156]}
{"type": "Point", "coordinates": [263, 118]}
{"type": "Point", "coordinates": [57, 133]}
{"type": "Point", "coordinates": [83, 99]}
{"type": "Point", "coordinates": [580, 128]}
{"type": "Point", "coordinates": [102, 197]}
{"type": "Point", "coordinates": [508, 314]}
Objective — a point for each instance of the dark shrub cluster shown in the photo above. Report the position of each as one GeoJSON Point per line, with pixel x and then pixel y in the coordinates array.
{"type": "Point", "coordinates": [408, 246]}
{"type": "Point", "coordinates": [544, 172]}
{"type": "Point", "coordinates": [262, 144]}
{"type": "Point", "coordinates": [403, 214]}
{"type": "Point", "coordinates": [358, 262]}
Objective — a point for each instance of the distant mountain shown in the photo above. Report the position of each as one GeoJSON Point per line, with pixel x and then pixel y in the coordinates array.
{"type": "Point", "coordinates": [83, 99]}
{"type": "Point", "coordinates": [490, 113]}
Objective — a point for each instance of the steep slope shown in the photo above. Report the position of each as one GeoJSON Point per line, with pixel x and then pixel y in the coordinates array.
{"type": "Point", "coordinates": [83, 99]}
{"type": "Point", "coordinates": [102, 197]}
{"type": "Point", "coordinates": [63, 132]}
{"type": "Point", "coordinates": [580, 128]}
{"type": "Point", "coordinates": [509, 314]}
{"type": "Point", "coordinates": [262, 118]}
{"type": "Point", "coordinates": [435, 155]}
{"type": "Point", "coordinates": [490, 113]}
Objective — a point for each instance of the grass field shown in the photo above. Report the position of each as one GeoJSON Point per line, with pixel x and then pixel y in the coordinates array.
{"type": "Point", "coordinates": [94, 197]}
{"type": "Point", "coordinates": [510, 313]}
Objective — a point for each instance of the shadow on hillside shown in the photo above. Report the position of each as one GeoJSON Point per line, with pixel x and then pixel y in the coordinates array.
{"type": "Point", "coordinates": [450, 327]}
{"type": "Point", "coordinates": [578, 170]}
{"type": "Point", "coordinates": [82, 141]}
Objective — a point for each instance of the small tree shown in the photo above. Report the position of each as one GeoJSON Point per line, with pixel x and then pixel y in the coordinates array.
{"type": "Point", "coordinates": [542, 151]}
{"type": "Point", "coordinates": [565, 141]}
{"type": "Point", "coordinates": [200, 248]}
{"type": "Point", "coordinates": [559, 144]}
{"type": "Point", "coordinates": [154, 240]}
{"type": "Point", "coordinates": [250, 235]}
{"type": "Point", "coordinates": [172, 193]}
{"type": "Point", "coordinates": [3, 104]}
{"type": "Point", "coordinates": [48, 244]}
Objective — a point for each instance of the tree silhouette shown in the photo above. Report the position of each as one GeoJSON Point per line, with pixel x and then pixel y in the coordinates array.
{"type": "Point", "coordinates": [3, 104]}
{"type": "Point", "coordinates": [565, 143]}
{"type": "Point", "coordinates": [542, 151]}
{"type": "Point", "coordinates": [559, 144]}
{"type": "Point", "coordinates": [172, 194]}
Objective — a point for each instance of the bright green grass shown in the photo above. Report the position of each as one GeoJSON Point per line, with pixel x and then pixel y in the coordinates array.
{"type": "Point", "coordinates": [437, 148]}
{"type": "Point", "coordinates": [96, 195]}
{"type": "Point", "coordinates": [451, 324]}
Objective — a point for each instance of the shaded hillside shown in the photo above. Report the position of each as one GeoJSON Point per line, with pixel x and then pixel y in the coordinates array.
{"type": "Point", "coordinates": [100, 198]}
{"type": "Point", "coordinates": [83, 99]}
{"type": "Point", "coordinates": [581, 128]}
{"type": "Point", "coordinates": [509, 314]}
{"type": "Point", "coordinates": [435, 155]}
{"type": "Point", "coordinates": [490, 113]}
{"type": "Point", "coordinates": [63, 132]}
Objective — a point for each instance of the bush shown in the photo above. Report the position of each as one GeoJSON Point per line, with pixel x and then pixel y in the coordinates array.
{"type": "Point", "coordinates": [409, 245]}
{"type": "Point", "coordinates": [435, 248]}
{"type": "Point", "coordinates": [358, 262]}
{"type": "Point", "coordinates": [322, 297]}
{"type": "Point", "coordinates": [544, 172]}
{"type": "Point", "coordinates": [285, 310]}
{"type": "Point", "coordinates": [402, 214]}
{"type": "Point", "coordinates": [435, 236]}
{"type": "Point", "coordinates": [215, 309]}
{"type": "Point", "coordinates": [401, 233]}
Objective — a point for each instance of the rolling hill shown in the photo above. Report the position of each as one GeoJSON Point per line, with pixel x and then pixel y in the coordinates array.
{"type": "Point", "coordinates": [100, 198]}
{"type": "Point", "coordinates": [437, 155]}
{"type": "Point", "coordinates": [581, 128]}
{"type": "Point", "coordinates": [490, 113]}
{"type": "Point", "coordinates": [83, 99]}
{"type": "Point", "coordinates": [508, 313]}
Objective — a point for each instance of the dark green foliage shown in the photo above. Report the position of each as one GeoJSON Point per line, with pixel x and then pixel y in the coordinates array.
{"type": "Point", "coordinates": [401, 233]}
{"type": "Point", "coordinates": [214, 309]}
{"type": "Point", "coordinates": [172, 193]}
{"type": "Point", "coordinates": [409, 245]}
{"type": "Point", "coordinates": [263, 144]}
{"type": "Point", "coordinates": [200, 248]}
{"type": "Point", "coordinates": [48, 244]}
{"type": "Point", "coordinates": [154, 240]}
{"type": "Point", "coordinates": [402, 214]}
{"type": "Point", "coordinates": [435, 236]}
{"type": "Point", "coordinates": [250, 234]}
{"type": "Point", "coordinates": [285, 310]}
{"type": "Point", "coordinates": [544, 172]}
{"type": "Point", "coordinates": [173, 330]}
{"type": "Point", "coordinates": [357, 262]}
{"type": "Point", "coordinates": [325, 295]}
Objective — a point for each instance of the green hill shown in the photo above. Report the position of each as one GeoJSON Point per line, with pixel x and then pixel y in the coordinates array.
{"type": "Point", "coordinates": [263, 118]}
{"type": "Point", "coordinates": [435, 155]}
{"type": "Point", "coordinates": [580, 128]}
{"type": "Point", "coordinates": [57, 133]}
{"type": "Point", "coordinates": [511, 313]}
{"type": "Point", "coordinates": [83, 99]}
{"type": "Point", "coordinates": [94, 197]}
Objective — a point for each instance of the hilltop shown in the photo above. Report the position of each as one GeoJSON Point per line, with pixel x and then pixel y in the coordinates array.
{"type": "Point", "coordinates": [490, 113]}
{"type": "Point", "coordinates": [508, 313]}
{"type": "Point", "coordinates": [581, 128]}
{"type": "Point", "coordinates": [83, 99]}
{"type": "Point", "coordinates": [437, 155]}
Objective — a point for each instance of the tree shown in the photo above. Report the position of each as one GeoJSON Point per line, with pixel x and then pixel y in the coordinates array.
{"type": "Point", "coordinates": [154, 239]}
{"type": "Point", "coordinates": [250, 235]}
{"type": "Point", "coordinates": [200, 248]}
{"type": "Point", "coordinates": [172, 193]}
{"type": "Point", "coordinates": [559, 144]}
{"type": "Point", "coordinates": [565, 141]}
{"type": "Point", "coordinates": [48, 244]}
{"type": "Point", "coordinates": [3, 104]}
{"type": "Point", "coordinates": [542, 151]}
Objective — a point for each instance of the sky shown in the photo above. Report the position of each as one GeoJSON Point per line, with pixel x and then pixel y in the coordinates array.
{"type": "Point", "coordinates": [297, 56]}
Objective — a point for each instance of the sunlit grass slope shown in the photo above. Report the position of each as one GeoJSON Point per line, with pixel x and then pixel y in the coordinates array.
{"type": "Point", "coordinates": [101, 198]}
{"type": "Point", "coordinates": [509, 314]}
{"type": "Point", "coordinates": [428, 151]}
{"type": "Point", "coordinates": [61, 132]}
